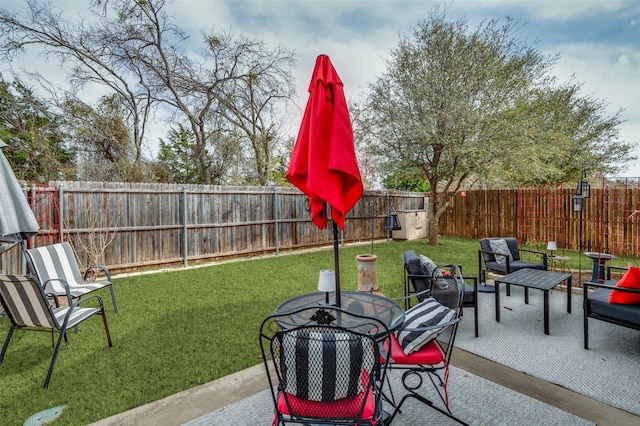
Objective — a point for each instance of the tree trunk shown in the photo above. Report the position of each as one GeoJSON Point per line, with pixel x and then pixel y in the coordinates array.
{"type": "Point", "coordinates": [432, 217]}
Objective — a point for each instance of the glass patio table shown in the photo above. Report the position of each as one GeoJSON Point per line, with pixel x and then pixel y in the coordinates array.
{"type": "Point", "coordinates": [358, 302]}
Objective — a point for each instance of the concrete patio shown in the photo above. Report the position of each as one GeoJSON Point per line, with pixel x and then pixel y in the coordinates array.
{"type": "Point", "coordinates": [482, 391]}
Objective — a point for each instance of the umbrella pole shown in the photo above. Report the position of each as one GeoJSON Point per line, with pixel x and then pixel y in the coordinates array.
{"type": "Point", "coordinates": [336, 261]}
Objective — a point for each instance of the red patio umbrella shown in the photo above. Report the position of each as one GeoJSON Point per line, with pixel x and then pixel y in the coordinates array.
{"type": "Point", "coordinates": [323, 163]}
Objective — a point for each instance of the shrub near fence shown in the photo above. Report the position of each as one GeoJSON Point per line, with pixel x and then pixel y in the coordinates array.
{"type": "Point", "coordinates": [138, 226]}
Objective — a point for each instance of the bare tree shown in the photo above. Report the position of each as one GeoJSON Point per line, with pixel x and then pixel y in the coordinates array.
{"type": "Point", "coordinates": [90, 52]}
{"type": "Point", "coordinates": [100, 224]}
{"type": "Point", "coordinates": [233, 74]}
{"type": "Point", "coordinates": [250, 100]}
{"type": "Point", "coordinates": [134, 48]}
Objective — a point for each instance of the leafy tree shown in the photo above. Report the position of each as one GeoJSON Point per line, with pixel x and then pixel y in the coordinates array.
{"type": "Point", "coordinates": [102, 140]}
{"type": "Point", "coordinates": [455, 105]}
{"type": "Point", "coordinates": [177, 156]}
{"type": "Point", "coordinates": [35, 142]}
{"type": "Point", "coordinates": [406, 180]}
{"type": "Point", "coordinates": [560, 133]}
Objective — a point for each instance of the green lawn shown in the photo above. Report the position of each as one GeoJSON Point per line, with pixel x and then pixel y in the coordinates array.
{"type": "Point", "coordinates": [183, 328]}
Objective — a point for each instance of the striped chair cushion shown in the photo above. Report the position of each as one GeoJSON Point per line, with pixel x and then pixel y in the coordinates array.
{"type": "Point", "coordinates": [77, 315]}
{"type": "Point", "coordinates": [412, 335]}
{"type": "Point", "coordinates": [57, 261]}
{"type": "Point", "coordinates": [325, 366]}
{"type": "Point", "coordinates": [25, 302]}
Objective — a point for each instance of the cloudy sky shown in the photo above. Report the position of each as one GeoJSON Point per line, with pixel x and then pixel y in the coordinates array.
{"type": "Point", "coordinates": [598, 41]}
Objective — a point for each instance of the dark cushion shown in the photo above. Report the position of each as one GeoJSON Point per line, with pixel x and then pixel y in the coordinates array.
{"type": "Point", "coordinates": [485, 245]}
{"type": "Point", "coordinates": [513, 266]}
{"type": "Point", "coordinates": [413, 264]}
{"type": "Point", "coordinates": [598, 303]}
{"type": "Point", "coordinates": [469, 295]}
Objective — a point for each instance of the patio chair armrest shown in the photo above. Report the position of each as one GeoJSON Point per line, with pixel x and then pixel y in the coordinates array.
{"type": "Point", "coordinates": [418, 294]}
{"type": "Point", "coordinates": [64, 283]}
{"type": "Point", "coordinates": [588, 284]}
{"type": "Point", "coordinates": [544, 255]}
{"type": "Point", "coordinates": [101, 268]}
{"type": "Point", "coordinates": [437, 268]}
{"type": "Point", "coordinates": [87, 298]}
{"type": "Point", "coordinates": [619, 269]}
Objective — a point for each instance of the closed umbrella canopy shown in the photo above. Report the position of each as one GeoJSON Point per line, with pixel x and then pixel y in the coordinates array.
{"type": "Point", "coordinates": [323, 164]}
{"type": "Point", "coordinates": [17, 221]}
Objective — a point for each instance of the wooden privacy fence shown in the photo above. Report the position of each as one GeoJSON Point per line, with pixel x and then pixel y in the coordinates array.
{"type": "Point", "coordinates": [136, 226]}
{"type": "Point", "coordinates": [139, 226]}
{"type": "Point", "coordinates": [609, 222]}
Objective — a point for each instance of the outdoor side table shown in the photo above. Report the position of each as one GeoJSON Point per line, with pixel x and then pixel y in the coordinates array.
{"type": "Point", "coordinates": [599, 259]}
{"type": "Point", "coordinates": [560, 262]}
{"type": "Point", "coordinates": [534, 278]}
{"type": "Point", "coordinates": [358, 302]}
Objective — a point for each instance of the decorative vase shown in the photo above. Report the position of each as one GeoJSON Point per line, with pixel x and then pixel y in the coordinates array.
{"type": "Point", "coordinates": [367, 275]}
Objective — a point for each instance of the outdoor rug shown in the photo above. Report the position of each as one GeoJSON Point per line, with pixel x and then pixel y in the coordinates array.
{"type": "Point", "coordinates": [607, 372]}
{"type": "Point", "coordinates": [506, 408]}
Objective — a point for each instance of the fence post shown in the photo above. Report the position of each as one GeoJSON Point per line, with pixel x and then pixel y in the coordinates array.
{"type": "Point", "coordinates": [61, 209]}
{"type": "Point", "coordinates": [23, 256]}
{"type": "Point", "coordinates": [185, 228]}
{"type": "Point", "coordinates": [275, 216]}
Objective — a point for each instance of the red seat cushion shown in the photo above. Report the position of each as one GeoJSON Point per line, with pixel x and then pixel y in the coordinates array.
{"type": "Point", "coordinates": [631, 279]}
{"type": "Point", "coordinates": [342, 408]}
{"type": "Point", "coordinates": [428, 354]}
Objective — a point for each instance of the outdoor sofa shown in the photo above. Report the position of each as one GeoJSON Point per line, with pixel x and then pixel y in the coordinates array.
{"type": "Point", "coordinates": [596, 305]}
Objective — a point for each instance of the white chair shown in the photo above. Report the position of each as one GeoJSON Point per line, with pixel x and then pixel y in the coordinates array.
{"type": "Point", "coordinates": [55, 266]}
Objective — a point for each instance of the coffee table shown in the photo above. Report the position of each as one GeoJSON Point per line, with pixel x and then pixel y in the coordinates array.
{"type": "Point", "coordinates": [534, 278]}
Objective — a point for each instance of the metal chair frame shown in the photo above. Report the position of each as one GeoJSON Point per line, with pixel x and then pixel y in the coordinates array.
{"type": "Point", "coordinates": [28, 308]}
{"type": "Point", "coordinates": [323, 320]}
{"type": "Point", "coordinates": [413, 375]}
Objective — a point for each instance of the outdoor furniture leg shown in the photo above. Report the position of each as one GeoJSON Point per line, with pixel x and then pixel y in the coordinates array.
{"type": "Point", "coordinates": [526, 295]}
{"type": "Point", "coordinates": [497, 286]}
{"type": "Point", "coordinates": [569, 294]}
{"type": "Point", "coordinates": [546, 311]}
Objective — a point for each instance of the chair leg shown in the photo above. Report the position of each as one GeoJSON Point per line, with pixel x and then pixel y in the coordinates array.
{"type": "Point", "coordinates": [113, 298]}
{"type": "Point", "coordinates": [106, 327]}
{"type": "Point", "coordinates": [54, 358]}
{"type": "Point", "coordinates": [586, 331]}
{"type": "Point", "coordinates": [425, 401]}
{"type": "Point", "coordinates": [412, 393]}
{"type": "Point", "coordinates": [6, 342]}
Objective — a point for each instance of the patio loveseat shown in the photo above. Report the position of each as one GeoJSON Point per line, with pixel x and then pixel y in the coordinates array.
{"type": "Point", "coordinates": [597, 305]}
